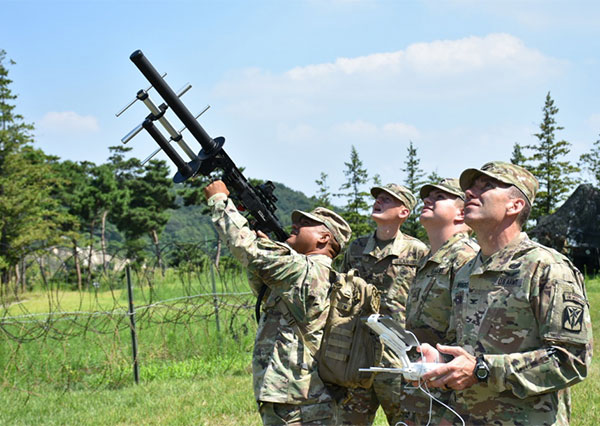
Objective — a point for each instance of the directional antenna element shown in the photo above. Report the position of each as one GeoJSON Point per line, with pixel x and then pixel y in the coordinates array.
{"type": "Point", "coordinates": [157, 113]}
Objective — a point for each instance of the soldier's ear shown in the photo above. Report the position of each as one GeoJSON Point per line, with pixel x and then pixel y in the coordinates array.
{"type": "Point", "coordinates": [404, 212]}
{"type": "Point", "coordinates": [324, 237]}
{"type": "Point", "coordinates": [514, 207]}
{"type": "Point", "coordinates": [459, 219]}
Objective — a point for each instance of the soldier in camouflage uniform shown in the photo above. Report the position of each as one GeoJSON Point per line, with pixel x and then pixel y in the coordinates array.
{"type": "Point", "coordinates": [520, 311]}
{"type": "Point", "coordinates": [429, 303]}
{"type": "Point", "coordinates": [287, 385]}
{"type": "Point", "coordinates": [387, 259]}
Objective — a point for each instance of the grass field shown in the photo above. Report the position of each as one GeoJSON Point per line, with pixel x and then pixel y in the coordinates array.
{"type": "Point", "coordinates": [185, 378]}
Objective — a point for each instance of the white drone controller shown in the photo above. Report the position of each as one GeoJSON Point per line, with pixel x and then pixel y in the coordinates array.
{"type": "Point", "coordinates": [400, 341]}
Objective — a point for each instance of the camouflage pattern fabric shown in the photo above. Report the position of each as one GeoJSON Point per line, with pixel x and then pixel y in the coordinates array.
{"type": "Point", "coordinates": [428, 306]}
{"type": "Point", "coordinates": [283, 369]}
{"type": "Point", "coordinates": [274, 414]}
{"type": "Point", "coordinates": [391, 269]}
{"type": "Point", "coordinates": [525, 309]}
{"type": "Point", "coordinates": [428, 315]}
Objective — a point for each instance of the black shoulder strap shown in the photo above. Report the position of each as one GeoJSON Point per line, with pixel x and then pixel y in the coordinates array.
{"type": "Point", "coordinates": [259, 298]}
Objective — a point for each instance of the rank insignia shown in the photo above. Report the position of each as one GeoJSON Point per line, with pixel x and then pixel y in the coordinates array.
{"type": "Point", "coordinates": [572, 319]}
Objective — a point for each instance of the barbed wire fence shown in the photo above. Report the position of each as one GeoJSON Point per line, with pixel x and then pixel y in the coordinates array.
{"type": "Point", "coordinates": [191, 319]}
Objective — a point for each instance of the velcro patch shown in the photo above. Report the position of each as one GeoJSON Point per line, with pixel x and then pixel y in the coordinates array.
{"type": "Point", "coordinates": [462, 284]}
{"type": "Point", "coordinates": [573, 297]}
{"type": "Point", "coordinates": [572, 319]}
{"type": "Point", "coordinates": [509, 282]}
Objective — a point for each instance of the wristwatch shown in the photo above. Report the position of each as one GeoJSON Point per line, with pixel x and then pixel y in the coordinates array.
{"type": "Point", "coordinates": [482, 370]}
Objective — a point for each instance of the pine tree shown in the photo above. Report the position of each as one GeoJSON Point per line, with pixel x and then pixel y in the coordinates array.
{"type": "Point", "coordinates": [152, 200]}
{"type": "Point", "coordinates": [591, 162]}
{"type": "Point", "coordinates": [549, 166]}
{"type": "Point", "coordinates": [414, 181]}
{"type": "Point", "coordinates": [323, 197]}
{"type": "Point", "coordinates": [517, 157]}
{"type": "Point", "coordinates": [356, 204]}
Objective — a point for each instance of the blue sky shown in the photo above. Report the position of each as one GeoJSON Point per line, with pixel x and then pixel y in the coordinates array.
{"type": "Point", "coordinates": [294, 84]}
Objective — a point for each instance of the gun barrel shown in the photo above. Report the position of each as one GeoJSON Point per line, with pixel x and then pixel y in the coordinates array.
{"type": "Point", "coordinates": [187, 118]}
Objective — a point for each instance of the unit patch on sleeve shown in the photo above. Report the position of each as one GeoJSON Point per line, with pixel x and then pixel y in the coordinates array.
{"type": "Point", "coordinates": [572, 319]}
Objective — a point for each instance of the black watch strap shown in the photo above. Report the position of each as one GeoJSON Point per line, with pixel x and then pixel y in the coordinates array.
{"type": "Point", "coordinates": [482, 369]}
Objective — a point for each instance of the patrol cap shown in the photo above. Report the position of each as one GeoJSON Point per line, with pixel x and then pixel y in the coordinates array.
{"type": "Point", "coordinates": [338, 227]}
{"type": "Point", "coordinates": [399, 192]}
{"type": "Point", "coordinates": [508, 173]}
{"type": "Point", "coordinates": [449, 185]}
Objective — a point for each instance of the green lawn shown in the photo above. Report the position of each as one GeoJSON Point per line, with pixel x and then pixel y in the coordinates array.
{"type": "Point", "coordinates": [212, 388]}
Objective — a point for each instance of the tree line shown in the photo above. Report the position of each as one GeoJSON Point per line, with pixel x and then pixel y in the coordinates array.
{"type": "Point", "coordinates": [545, 158]}
{"type": "Point", "coordinates": [45, 201]}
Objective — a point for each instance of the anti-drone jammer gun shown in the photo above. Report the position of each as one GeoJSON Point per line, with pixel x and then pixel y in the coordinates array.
{"type": "Point", "coordinates": [258, 201]}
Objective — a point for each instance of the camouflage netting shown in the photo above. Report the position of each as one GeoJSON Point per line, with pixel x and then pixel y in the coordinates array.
{"type": "Point", "coordinates": [574, 229]}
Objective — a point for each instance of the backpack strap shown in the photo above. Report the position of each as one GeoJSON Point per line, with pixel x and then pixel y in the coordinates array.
{"type": "Point", "coordinates": [298, 328]}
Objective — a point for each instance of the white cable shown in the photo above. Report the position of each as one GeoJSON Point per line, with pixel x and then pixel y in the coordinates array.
{"type": "Point", "coordinates": [426, 392]}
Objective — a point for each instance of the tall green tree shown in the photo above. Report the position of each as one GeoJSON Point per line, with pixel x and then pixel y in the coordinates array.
{"type": "Point", "coordinates": [591, 162]}
{"type": "Point", "coordinates": [69, 195]}
{"type": "Point", "coordinates": [28, 215]}
{"type": "Point", "coordinates": [549, 165]}
{"type": "Point", "coordinates": [353, 190]}
{"type": "Point", "coordinates": [414, 181]}
{"type": "Point", "coordinates": [518, 157]}
{"type": "Point", "coordinates": [323, 196]}
{"type": "Point", "coordinates": [152, 198]}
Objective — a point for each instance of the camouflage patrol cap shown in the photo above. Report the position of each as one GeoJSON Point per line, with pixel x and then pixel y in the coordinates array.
{"type": "Point", "coordinates": [399, 192]}
{"type": "Point", "coordinates": [338, 227]}
{"type": "Point", "coordinates": [508, 173]}
{"type": "Point", "coordinates": [449, 185]}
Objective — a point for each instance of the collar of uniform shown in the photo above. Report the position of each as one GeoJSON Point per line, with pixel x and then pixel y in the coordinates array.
{"type": "Point", "coordinates": [500, 260]}
{"type": "Point", "coordinates": [440, 255]}
{"type": "Point", "coordinates": [391, 249]}
{"type": "Point", "coordinates": [321, 258]}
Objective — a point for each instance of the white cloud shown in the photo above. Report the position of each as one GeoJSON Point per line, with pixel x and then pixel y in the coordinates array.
{"type": "Point", "coordinates": [68, 123]}
{"type": "Point", "coordinates": [466, 68]}
{"type": "Point", "coordinates": [307, 117]}
{"type": "Point", "coordinates": [437, 58]}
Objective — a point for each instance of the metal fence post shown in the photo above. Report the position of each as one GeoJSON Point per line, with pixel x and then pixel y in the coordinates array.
{"type": "Point", "coordinates": [131, 312]}
{"type": "Point", "coordinates": [215, 297]}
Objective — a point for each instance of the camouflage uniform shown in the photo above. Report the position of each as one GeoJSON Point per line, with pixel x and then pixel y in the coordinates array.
{"type": "Point", "coordinates": [525, 310]}
{"type": "Point", "coordinates": [391, 269]}
{"type": "Point", "coordinates": [287, 385]}
{"type": "Point", "coordinates": [428, 314]}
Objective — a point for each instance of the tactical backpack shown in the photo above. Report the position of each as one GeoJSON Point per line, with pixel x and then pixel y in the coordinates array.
{"type": "Point", "coordinates": [347, 344]}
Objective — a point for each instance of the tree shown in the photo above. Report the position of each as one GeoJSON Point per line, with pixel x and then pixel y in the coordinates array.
{"type": "Point", "coordinates": [69, 195]}
{"type": "Point", "coordinates": [193, 195]}
{"type": "Point", "coordinates": [517, 157]}
{"type": "Point", "coordinates": [591, 162]}
{"type": "Point", "coordinates": [152, 197]}
{"type": "Point", "coordinates": [414, 181]}
{"type": "Point", "coordinates": [549, 166]}
{"type": "Point", "coordinates": [28, 213]}
{"type": "Point", "coordinates": [323, 197]}
{"type": "Point", "coordinates": [434, 177]}
{"type": "Point", "coordinates": [356, 205]}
